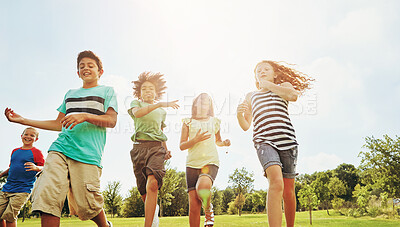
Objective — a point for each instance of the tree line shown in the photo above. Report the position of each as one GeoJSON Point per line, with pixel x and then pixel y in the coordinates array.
{"type": "Point", "coordinates": [369, 189]}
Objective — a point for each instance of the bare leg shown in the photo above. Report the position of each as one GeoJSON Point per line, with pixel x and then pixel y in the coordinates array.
{"type": "Point", "coordinates": [150, 202]}
{"type": "Point", "coordinates": [204, 182]}
{"type": "Point", "coordinates": [101, 219]}
{"type": "Point", "coordinates": [194, 209]}
{"type": "Point", "coordinates": [289, 200]}
{"type": "Point", "coordinates": [49, 220]}
{"type": "Point", "coordinates": [274, 196]}
{"type": "Point", "coordinates": [2, 223]}
{"type": "Point", "coordinates": [11, 224]}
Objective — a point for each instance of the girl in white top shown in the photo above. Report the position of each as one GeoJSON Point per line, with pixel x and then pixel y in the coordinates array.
{"type": "Point", "coordinates": [200, 135]}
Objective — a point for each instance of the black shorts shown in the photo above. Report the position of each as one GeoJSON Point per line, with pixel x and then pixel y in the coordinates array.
{"type": "Point", "coordinates": [148, 159]}
{"type": "Point", "coordinates": [192, 175]}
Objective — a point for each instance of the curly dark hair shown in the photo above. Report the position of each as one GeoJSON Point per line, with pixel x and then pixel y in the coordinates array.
{"type": "Point", "coordinates": [299, 80]}
{"type": "Point", "coordinates": [91, 55]}
{"type": "Point", "coordinates": [154, 78]}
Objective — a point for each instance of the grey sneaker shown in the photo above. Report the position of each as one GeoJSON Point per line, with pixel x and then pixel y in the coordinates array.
{"type": "Point", "coordinates": [156, 220]}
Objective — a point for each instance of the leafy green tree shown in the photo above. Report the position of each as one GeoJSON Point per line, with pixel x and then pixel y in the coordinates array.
{"type": "Point", "coordinates": [380, 163]}
{"type": "Point", "coordinates": [321, 189]}
{"type": "Point", "coordinates": [180, 203]}
{"type": "Point", "coordinates": [170, 184]}
{"type": "Point", "coordinates": [112, 197]}
{"type": "Point", "coordinates": [259, 200]}
{"type": "Point", "coordinates": [3, 180]}
{"type": "Point", "coordinates": [133, 205]}
{"type": "Point", "coordinates": [216, 200]}
{"type": "Point", "coordinates": [350, 176]}
{"type": "Point", "coordinates": [242, 181]}
{"type": "Point", "coordinates": [228, 195]}
{"type": "Point", "coordinates": [336, 187]}
{"type": "Point", "coordinates": [362, 195]}
{"type": "Point", "coordinates": [308, 199]}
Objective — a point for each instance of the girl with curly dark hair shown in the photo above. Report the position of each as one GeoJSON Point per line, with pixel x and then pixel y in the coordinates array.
{"type": "Point", "coordinates": [273, 133]}
{"type": "Point", "coordinates": [149, 148]}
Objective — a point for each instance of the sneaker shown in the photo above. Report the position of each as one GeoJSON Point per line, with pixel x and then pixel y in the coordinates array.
{"type": "Point", "coordinates": [156, 220]}
{"type": "Point", "coordinates": [109, 224]}
{"type": "Point", "coordinates": [209, 217]}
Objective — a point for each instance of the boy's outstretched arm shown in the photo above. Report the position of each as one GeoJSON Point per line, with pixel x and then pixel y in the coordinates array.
{"type": "Point", "coordinates": [108, 120]}
{"type": "Point", "coordinates": [4, 173]}
{"type": "Point", "coordinates": [53, 125]}
{"type": "Point", "coordinates": [142, 111]}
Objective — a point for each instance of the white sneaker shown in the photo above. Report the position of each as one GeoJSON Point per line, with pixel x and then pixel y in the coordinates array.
{"type": "Point", "coordinates": [156, 220]}
{"type": "Point", "coordinates": [209, 217]}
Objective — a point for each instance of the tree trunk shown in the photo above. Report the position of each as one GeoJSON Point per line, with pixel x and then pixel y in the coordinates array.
{"type": "Point", "coordinates": [161, 209]}
{"type": "Point", "coordinates": [23, 214]}
{"type": "Point", "coordinates": [310, 215]}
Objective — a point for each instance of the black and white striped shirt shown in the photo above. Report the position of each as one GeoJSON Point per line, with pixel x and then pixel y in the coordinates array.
{"type": "Point", "coordinates": [271, 121]}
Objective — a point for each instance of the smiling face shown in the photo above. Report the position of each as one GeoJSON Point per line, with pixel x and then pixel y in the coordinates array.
{"type": "Point", "coordinates": [29, 136]}
{"type": "Point", "coordinates": [264, 71]}
{"type": "Point", "coordinates": [89, 72]}
{"type": "Point", "coordinates": [148, 92]}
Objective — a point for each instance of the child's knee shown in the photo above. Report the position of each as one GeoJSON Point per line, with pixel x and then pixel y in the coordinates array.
{"type": "Point", "coordinates": [152, 183]}
{"type": "Point", "coordinates": [276, 184]}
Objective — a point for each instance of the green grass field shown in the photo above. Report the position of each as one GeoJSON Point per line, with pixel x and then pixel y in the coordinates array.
{"type": "Point", "coordinates": [320, 218]}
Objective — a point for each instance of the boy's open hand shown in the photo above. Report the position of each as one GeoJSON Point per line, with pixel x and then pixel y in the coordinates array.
{"type": "Point", "coordinates": [172, 104]}
{"type": "Point", "coordinates": [29, 166]}
{"type": "Point", "coordinates": [12, 116]}
{"type": "Point", "coordinates": [201, 136]}
{"type": "Point", "coordinates": [73, 119]}
{"type": "Point", "coordinates": [168, 155]}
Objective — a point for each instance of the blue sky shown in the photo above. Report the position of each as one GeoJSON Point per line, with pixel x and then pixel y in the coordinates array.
{"type": "Point", "coordinates": [351, 48]}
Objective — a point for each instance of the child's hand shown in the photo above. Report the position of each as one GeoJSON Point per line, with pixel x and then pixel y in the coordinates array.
{"type": "Point", "coordinates": [201, 136]}
{"type": "Point", "coordinates": [226, 143]}
{"type": "Point", "coordinates": [12, 116]}
{"type": "Point", "coordinates": [172, 104]}
{"type": "Point", "coordinates": [29, 166]}
{"type": "Point", "coordinates": [73, 119]}
{"type": "Point", "coordinates": [242, 108]}
{"type": "Point", "coordinates": [168, 155]}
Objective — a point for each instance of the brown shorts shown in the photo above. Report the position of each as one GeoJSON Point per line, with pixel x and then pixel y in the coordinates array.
{"type": "Point", "coordinates": [192, 175]}
{"type": "Point", "coordinates": [148, 159]}
{"type": "Point", "coordinates": [61, 176]}
{"type": "Point", "coordinates": [11, 204]}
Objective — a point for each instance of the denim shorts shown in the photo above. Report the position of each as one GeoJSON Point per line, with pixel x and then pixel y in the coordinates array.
{"type": "Point", "coordinates": [286, 159]}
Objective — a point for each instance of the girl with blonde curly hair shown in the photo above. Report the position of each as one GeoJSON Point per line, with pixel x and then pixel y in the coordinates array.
{"type": "Point", "coordinates": [273, 133]}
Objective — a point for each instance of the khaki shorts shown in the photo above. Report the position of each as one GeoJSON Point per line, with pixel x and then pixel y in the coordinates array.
{"type": "Point", "coordinates": [11, 204]}
{"type": "Point", "coordinates": [61, 176]}
{"type": "Point", "coordinates": [148, 159]}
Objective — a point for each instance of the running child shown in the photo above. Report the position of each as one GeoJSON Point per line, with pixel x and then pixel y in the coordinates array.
{"type": "Point", "coordinates": [273, 133]}
{"type": "Point", "coordinates": [73, 164]}
{"type": "Point", "coordinates": [200, 135]}
{"type": "Point", "coordinates": [149, 142]}
{"type": "Point", "coordinates": [25, 162]}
